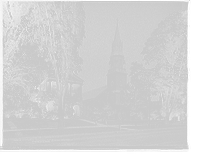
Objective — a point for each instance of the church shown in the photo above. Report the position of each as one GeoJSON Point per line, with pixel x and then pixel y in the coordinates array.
{"type": "Point", "coordinates": [114, 94]}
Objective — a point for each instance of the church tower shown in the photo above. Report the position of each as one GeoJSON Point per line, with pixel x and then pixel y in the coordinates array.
{"type": "Point", "coordinates": [117, 77]}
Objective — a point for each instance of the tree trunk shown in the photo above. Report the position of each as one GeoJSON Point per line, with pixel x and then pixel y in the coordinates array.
{"type": "Point", "coordinates": [167, 118]}
{"type": "Point", "coordinates": [60, 112]}
{"type": "Point", "coordinates": [167, 113]}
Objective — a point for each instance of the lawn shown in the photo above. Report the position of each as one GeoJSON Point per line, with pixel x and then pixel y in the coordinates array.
{"type": "Point", "coordinates": [69, 131]}
{"type": "Point", "coordinates": [43, 123]}
{"type": "Point", "coordinates": [117, 122]}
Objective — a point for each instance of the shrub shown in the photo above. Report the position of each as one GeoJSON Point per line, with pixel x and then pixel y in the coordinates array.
{"type": "Point", "coordinates": [18, 112]}
{"type": "Point", "coordinates": [8, 111]}
{"type": "Point", "coordinates": [68, 114]}
{"type": "Point", "coordinates": [31, 109]}
{"type": "Point", "coordinates": [53, 115]}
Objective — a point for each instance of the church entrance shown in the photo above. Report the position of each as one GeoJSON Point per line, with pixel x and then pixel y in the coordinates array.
{"type": "Point", "coordinates": [76, 109]}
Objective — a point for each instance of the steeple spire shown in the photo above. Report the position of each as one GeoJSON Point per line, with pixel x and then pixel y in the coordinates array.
{"type": "Point", "coordinates": [117, 39]}
{"type": "Point", "coordinates": [117, 43]}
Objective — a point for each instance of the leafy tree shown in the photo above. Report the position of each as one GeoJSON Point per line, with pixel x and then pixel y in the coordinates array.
{"type": "Point", "coordinates": [19, 60]}
{"type": "Point", "coordinates": [107, 109]}
{"type": "Point", "coordinates": [14, 35]}
{"type": "Point", "coordinates": [57, 28]}
{"type": "Point", "coordinates": [135, 92]}
{"type": "Point", "coordinates": [141, 113]}
{"type": "Point", "coordinates": [165, 53]}
{"type": "Point", "coordinates": [154, 114]}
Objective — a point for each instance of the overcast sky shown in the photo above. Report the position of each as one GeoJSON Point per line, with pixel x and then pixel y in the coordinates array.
{"type": "Point", "coordinates": [137, 20]}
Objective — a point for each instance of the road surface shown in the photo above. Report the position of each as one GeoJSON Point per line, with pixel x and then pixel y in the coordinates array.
{"type": "Point", "coordinates": [171, 137]}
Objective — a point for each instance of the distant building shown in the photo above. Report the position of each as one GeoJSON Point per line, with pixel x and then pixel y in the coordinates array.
{"type": "Point", "coordinates": [48, 88]}
{"type": "Point", "coordinates": [115, 93]}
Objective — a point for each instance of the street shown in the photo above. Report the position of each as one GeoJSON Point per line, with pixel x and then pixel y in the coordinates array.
{"type": "Point", "coordinates": [171, 137]}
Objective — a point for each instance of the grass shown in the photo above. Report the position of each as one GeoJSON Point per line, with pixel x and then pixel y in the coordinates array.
{"type": "Point", "coordinates": [117, 122]}
{"type": "Point", "coordinates": [70, 131]}
{"type": "Point", "coordinates": [44, 123]}
{"type": "Point", "coordinates": [33, 123]}
{"type": "Point", "coordinates": [60, 131]}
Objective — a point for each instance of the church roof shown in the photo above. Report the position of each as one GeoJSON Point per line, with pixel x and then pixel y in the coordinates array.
{"type": "Point", "coordinates": [93, 93]}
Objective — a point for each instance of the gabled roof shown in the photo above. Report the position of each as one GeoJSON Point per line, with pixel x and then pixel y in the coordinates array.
{"type": "Point", "coordinates": [93, 93]}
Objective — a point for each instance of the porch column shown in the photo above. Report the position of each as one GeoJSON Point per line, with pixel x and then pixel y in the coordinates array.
{"type": "Point", "coordinates": [49, 87]}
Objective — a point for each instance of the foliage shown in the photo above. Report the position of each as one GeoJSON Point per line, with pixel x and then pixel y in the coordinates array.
{"type": "Point", "coordinates": [107, 111]}
{"type": "Point", "coordinates": [135, 92]}
{"type": "Point", "coordinates": [56, 28]}
{"type": "Point", "coordinates": [53, 115]}
{"type": "Point", "coordinates": [154, 114]}
{"type": "Point", "coordinates": [8, 111]}
{"type": "Point", "coordinates": [44, 100]}
{"type": "Point", "coordinates": [141, 114]}
{"type": "Point", "coordinates": [68, 114]}
{"type": "Point", "coordinates": [28, 108]}
{"type": "Point", "coordinates": [168, 46]}
{"type": "Point", "coordinates": [15, 34]}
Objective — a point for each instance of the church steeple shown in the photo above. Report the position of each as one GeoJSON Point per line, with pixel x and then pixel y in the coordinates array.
{"type": "Point", "coordinates": [116, 77]}
{"type": "Point", "coordinates": [117, 62]}
{"type": "Point", "coordinates": [117, 46]}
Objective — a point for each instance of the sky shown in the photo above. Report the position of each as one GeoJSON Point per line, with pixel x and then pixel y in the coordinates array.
{"type": "Point", "coordinates": [136, 20]}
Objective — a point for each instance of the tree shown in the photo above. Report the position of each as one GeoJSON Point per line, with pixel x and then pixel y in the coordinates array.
{"type": "Point", "coordinates": [15, 34]}
{"type": "Point", "coordinates": [165, 53]}
{"type": "Point", "coordinates": [107, 109]}
{"type": "Point", "coordinates": [57, 28]}
{"type": "Point", "coordinates": [154, 114]}
{"type": "Point", "coordinates": [141, 113]}
{"type": "Point", "coordinates": [135, 92]}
